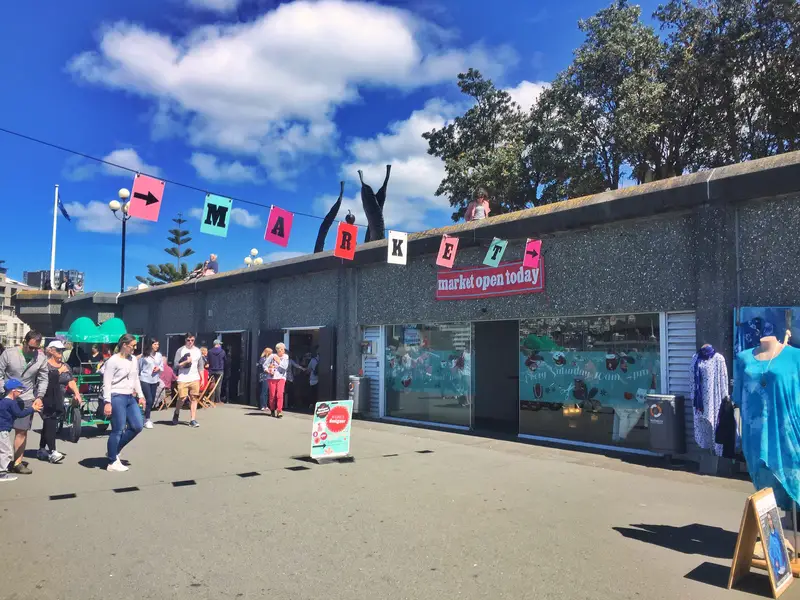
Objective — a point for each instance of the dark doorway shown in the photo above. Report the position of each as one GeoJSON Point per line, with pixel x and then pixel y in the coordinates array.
{"type": "Point", "coordinates": [235, 386]}
{"type": "Point", "coordinates": [496, 399]}
{"type": "Point", "coordinates": [174, 341]}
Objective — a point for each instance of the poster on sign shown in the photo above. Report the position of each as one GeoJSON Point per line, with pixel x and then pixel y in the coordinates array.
{"type": "Point", "coordinates": [279, 226]}
{"type": "Point", "coordinates": [506, 279]}
{"type": "Point", "coordinates": [216, 215]}
{"type": "Point", "coordinates": [533, 252]}
{"type": "Point", "coordinates": [330, 430]}
{"type": "Point", "coordinates": [398, 242]}
{"type": "Point", "coordinates": [447, 252]}
{"type": "Point", "coordinates": [495, 254]}
{"type": "Point", "coordinates": [345, 241]}
{"type": "Point", "coordinates": [146, 197]}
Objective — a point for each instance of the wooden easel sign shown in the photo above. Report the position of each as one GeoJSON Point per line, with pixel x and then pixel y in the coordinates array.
{"type": "Point", "coordinates": [761, 521]}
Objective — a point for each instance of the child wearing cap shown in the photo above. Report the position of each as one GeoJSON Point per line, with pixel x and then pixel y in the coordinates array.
{"type": "Point", "coordinates": [10, 410]}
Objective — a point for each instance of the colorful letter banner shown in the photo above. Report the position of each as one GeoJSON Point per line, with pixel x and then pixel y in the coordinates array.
{"type": "Point", "coordinates": [146, 197]}
{"type": "Point", "coordinates": [398, 242]}
{"type": "Point", "coordinates": [345, 241]}
{"type": "Point", "coordinates": [216, 215]}
{"type": "Point", "coordinates": [279, 226]}
{"type": "Point", "coordinates": [330, 430]}
{"type": "Point", "coordinates": [447, 252]}
{"type": "Point", "coordinates": [495, 254]}
{"type": "Point", "coordinates": [533, 252]}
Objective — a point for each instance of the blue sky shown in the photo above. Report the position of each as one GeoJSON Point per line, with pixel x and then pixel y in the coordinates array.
{"type": "Point", "coordinates": [268, 101]}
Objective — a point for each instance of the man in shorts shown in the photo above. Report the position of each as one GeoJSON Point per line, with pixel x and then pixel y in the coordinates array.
{"type": "Point", "coordinates": [187, 365]}
{"type": "Point", "coordinates": [29, 365]}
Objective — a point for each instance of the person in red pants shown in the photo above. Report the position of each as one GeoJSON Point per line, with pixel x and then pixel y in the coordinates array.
{"type": "Point", "coordinates": [279, 366]}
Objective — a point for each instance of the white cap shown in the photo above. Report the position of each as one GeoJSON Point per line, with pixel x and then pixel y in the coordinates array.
{"type": "Point", "coordinates": [58, 344]}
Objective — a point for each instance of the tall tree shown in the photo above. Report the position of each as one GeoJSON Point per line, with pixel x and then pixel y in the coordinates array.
{"type": "Point", "coordinates": [168, 272]}
{"type": "Point", "coordinates": [483, 147]}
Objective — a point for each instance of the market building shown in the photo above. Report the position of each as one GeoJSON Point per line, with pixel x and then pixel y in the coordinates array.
{"type": "Point", "coordinates": [631, 282]}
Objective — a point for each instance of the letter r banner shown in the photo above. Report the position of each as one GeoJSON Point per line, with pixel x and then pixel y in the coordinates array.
{"type": "Point", "coordinates": [346, 241]}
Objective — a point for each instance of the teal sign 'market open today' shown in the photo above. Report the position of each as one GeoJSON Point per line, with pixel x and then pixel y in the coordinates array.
{"type": "Point", "coordinates": [216, 215]}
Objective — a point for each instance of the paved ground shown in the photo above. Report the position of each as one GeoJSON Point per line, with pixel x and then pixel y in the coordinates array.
{"type": "Point", "coordinates": [442, 516]}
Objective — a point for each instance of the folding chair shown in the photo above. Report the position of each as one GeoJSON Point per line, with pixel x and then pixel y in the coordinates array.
{"type": "Point", "coordinates": [207, 395]}
{"type": "Point", "coordinates": [168, 397]}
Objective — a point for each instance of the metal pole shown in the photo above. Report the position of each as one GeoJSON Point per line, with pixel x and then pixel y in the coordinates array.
{"type": "Point", "coordinates": [53, 243]}
{"type": "Point", "coordinates": [122, 270]}
{"type": "Point", "coordinates": [794, 523]}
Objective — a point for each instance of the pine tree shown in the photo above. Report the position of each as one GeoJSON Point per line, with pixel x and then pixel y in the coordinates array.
{"type": "Point", "coordinates": [167, 272]}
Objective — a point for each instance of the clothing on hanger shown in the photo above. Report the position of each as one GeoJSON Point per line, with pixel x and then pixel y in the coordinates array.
{"type": "Point", "coordinates": [768, 396]}
{"type": "Point", "coordinates": [709, 375]}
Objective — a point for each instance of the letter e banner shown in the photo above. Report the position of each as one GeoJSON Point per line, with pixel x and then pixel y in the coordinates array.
{"type": "Point", "coordinates": [447, 252]}
{"type": "Point", "coordinates": [279, 226]}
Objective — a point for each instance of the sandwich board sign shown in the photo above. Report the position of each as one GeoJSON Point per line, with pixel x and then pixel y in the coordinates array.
{"type": "Point", "coordinates": [761, 522]}
{"type": "Point", "coordinates": [330, 430]}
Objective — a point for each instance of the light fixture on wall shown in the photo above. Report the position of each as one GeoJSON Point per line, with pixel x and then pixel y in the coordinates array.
{"type": "Point", "coordinates": [253, 259]}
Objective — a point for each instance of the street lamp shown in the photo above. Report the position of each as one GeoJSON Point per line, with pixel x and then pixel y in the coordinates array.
{"type": "Point", "coordinates": [121, 206]}
{"type": "Point", "coordinates": [252, 260]}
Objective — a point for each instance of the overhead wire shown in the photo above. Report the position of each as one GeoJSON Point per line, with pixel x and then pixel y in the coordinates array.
{"type": "Point", "coordinates": [165, 180]}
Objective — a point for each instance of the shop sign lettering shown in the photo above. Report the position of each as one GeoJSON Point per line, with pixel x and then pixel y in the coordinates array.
{"type": "Point", "coordinates": [506, 279]}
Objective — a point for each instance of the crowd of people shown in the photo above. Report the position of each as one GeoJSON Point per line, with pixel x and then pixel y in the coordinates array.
{"type": "Point", "coordinates": [133, 384]}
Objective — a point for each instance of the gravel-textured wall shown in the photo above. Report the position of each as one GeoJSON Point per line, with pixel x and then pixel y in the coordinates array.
{"type": "Point", "coordinates": [303, 301]}
{"type": "Point", "coordinates": [638, 266]}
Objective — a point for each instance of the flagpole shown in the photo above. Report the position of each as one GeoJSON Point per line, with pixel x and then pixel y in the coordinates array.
{"type": "Point", "coordinates": [53, 245]}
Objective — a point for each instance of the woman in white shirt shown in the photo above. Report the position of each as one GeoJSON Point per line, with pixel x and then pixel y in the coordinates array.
{"type": "Point", "coordinates": [279, 364]}
{"type": "Point", "coordinates": [150, 366]}
{"type": "Point", "coordinates": [122, 394]}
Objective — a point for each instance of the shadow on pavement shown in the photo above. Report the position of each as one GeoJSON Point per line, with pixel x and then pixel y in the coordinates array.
{"type": "Point", "coordinates": [97, 462]}
{"type": "Point", "coordinates": [257, 414]}
{"type": "Point", "coordinates": [717, 576]}
{"type": "Point", "coordinates": [703, 540]}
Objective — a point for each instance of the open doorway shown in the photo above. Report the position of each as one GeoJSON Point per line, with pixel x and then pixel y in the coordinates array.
{"type": "Point", "coordinates": [496, 400]}
{"type": "Point", "coordinates": [236, 380]}
{"type": "Point", "coordinates": [303, 344]}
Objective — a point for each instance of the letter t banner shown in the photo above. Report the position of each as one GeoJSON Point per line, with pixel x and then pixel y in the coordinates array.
{"type": "Point", "coordinates": [346, 241]}
{"type": "Point", "coordinates": [279, 226]}
{"type": "Point", "coordinates": [495, 253]}
{"type": "Point", "coordinates": [447, 252]}
{"type": "Point", "coordinates": [398, 244]}
{"type": "Point", "coordinates": [216, 215]}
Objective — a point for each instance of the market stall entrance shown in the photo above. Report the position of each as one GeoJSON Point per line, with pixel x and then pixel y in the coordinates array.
{"type": "Point", "coordinates": [236, 344]}
{"type": "Point", "coordinates": [300, 345]}
{"type": "Point", "coordinates": [496, 398]}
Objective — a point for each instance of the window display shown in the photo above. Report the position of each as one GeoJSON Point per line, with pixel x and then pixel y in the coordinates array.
{"type": "Point", "coordinates": [586, 378]}
{"type": "Point", "coordinates": [428, 373]}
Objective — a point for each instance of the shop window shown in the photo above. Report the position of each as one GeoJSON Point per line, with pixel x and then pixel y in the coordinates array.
{"type": "Point", "coordinates": [428, 373]}
{"type": "Point", "coordinates": [586, 378]}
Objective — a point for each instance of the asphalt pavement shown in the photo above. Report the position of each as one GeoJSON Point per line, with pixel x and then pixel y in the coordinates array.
{"type": "Point", "coordinates": [231, 510]}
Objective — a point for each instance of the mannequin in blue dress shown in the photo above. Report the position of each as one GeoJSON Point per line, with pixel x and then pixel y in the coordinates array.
{"type": "Point", "coordinates": [767, 391]}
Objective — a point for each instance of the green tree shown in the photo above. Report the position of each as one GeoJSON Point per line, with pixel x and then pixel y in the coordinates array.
{"type": "Point", "coordinates": [168, 272]}
{"type": "Point", "coordinates": [484, 147]}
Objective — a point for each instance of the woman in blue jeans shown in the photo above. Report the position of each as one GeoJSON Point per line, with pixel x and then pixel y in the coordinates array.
{"type": "Point", "coordinates": [151, 364]}
{"type": "Point", "coordinates": [122, 394]}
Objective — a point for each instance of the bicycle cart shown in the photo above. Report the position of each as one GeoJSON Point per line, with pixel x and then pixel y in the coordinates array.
{"type": "Point", "coordinates": [82, 334]}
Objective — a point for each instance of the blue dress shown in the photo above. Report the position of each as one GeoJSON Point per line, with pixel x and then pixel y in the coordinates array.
{"type": "Point", "coordinates": [769, 399]}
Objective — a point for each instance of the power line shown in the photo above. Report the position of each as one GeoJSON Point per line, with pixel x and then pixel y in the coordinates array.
{"type": "Point", "coordinates": [170, 181]}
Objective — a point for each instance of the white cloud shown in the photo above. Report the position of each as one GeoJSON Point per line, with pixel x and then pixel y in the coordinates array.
{"type": "Point", "coordinates": [411, 203]}
{"type": "Point", "coordinates": [527, 93]}
{"type": "Point", "coordinates": [209, 167]}
{"type": "Point", "coordinates": [270, 88]}
{"type": "Point", "coordinates": [218, 6]}
{"type": "Point", "coordinates": [96, 217]}
{"type": "Point", "coordinates": [277, 256]}
{"type": "Point", "coordinates": [81, 169]}
{"type": "Point", "coordinates": [239, 216]}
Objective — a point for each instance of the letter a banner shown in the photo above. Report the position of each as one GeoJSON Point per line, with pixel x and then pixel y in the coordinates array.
{"type": "Point", "coordinates": [346, 241]}
{"type": "Point", "coordinates": [279, 226]}
{"type": "Point", "coordinates": [216, 215]}
{"type": "Point", "coordinates": [398, 242]}
{"type": "Point", "coordinates": [495, 253]}
{"type": "Point", "coordinates": [447, 252]}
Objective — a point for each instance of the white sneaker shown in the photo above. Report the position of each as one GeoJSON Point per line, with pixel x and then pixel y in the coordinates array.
{"type": "Point", "coordinates": [56, 457]}
{"type": "Point", "coordinates": [148, 424]}
{"type": "Point", "coordinates": [43, 454]}
{"type": "Point", "coordinates": [7, 477]}
{"type": "Point", "coordinates": [117, 467]}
